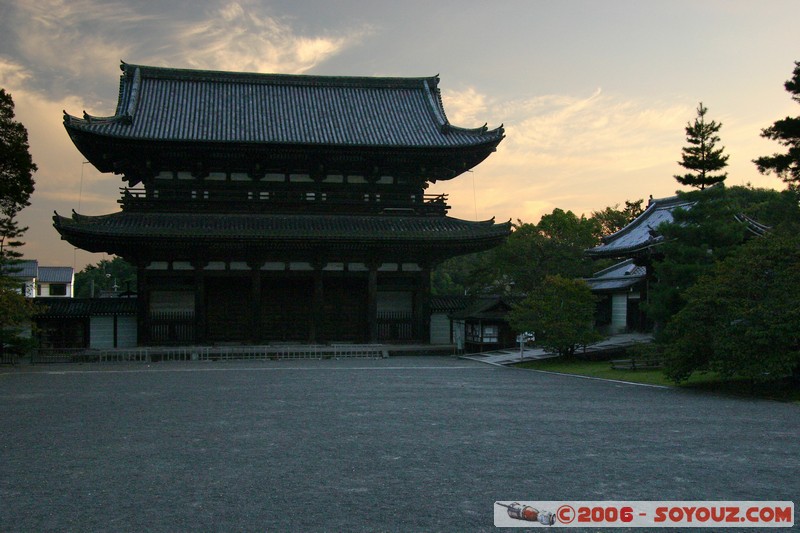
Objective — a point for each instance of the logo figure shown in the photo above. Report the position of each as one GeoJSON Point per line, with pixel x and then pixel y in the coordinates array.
{"type": "Point", "coordinates": [525, 512]}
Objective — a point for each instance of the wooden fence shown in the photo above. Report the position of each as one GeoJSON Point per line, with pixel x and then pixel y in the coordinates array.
{"type": "Point", "coordinates": [172, 327]}
{"type": "Point", "coordinates": [211, 353]}
{"type": "Point", "coordinates": [395, 326]}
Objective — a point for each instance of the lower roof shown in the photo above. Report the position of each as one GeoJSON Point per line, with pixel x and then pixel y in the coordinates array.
{"type": "Point", "coordinates": [619, 277]}
{"type": "Point", "coordinates": [642, 233]}
{"type": "Point", "coordinates": [123, 232]}
{"type": "Point", "coordinates": [83, 307]}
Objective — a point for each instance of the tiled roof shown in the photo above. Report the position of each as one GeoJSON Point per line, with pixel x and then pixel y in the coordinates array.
{"type": "Point", "coordinates": [274, 226]}
{"type": "Point", "coordinates": [642, 233]}
{"type": "Point", "coordinates": [192, 105]}
{"type": "Point", "coordinates": [55, 274]}
{"type": "Point", "coordinates": [137, 233]}
{"type": "Point", "coordinates": [617, 277]}
{"type": "Point", "coordinates": [31, 269]}
{"type": "Point", "coordinates": [23, 269]}
{"type": "Point", "coordinates": [488, 308]}
{"type": "Point", "coordinates": [84, 307]}
{"type": "Point", "coordinates": [440, 304]}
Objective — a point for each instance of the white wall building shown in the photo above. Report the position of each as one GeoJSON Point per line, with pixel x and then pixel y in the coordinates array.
{"type": "Point", "coordinates": [44, 281]}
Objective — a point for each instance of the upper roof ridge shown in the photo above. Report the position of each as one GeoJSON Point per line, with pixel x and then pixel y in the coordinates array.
{"type": "Point", "coordinates": [389, 82]}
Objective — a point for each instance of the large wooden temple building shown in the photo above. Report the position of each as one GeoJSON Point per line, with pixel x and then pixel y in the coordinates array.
{"type": "Point", "coordinates": [279, 208]}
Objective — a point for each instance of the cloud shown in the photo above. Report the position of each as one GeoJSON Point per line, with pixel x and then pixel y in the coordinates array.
{"type": "Point", "coordinates": [579, 153]}
{"type": "Point", "coordinates": [564, 131]}
{"type": "Point", "coordinates": [12, 74]}
{"type": "Point", "coordinates": [466, 108]}
{"type": "Point", "coordinates": [67, 41]}
{"type": "Point", "coordinates": [60, 168]}
{"type": "Point", "coordinates": [237, 36]}
{"type": "Point", "coordinates": [582, 153]}
{"type": "Point", "coordinates": [75, 46]}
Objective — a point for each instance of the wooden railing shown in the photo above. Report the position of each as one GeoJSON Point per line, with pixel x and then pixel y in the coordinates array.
{"type": "Point", "coordinates": [172, 327]}
{"type": "Point", "coordinates": [395, 326]}
{"type": "Point", "coordinates": [210, 353]}
{"type": "Point", "coordinates": [282, 200]}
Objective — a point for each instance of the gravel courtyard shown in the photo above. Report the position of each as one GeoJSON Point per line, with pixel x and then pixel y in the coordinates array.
{"type": "Point", "coordinates": [398, 444]}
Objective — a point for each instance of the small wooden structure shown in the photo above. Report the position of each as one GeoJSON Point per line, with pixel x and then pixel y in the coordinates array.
{"type": "Point", "coordinates": [64, 324]}
{"type": "Point", "coordinates": [485, 324]}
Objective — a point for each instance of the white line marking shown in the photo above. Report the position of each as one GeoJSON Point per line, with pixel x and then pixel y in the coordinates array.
{"type": "Point", "coordinates": [599, 379]}
{"type": "Point", "coordinates": [239, 369]}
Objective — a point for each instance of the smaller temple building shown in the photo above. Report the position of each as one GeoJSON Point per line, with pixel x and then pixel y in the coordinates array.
{"type": "Point", "coordinates": [265, 208]}
{"type": "Point", "coordinates": [619, 290]}
{"type": "Point", "coordinates": [622, 287]}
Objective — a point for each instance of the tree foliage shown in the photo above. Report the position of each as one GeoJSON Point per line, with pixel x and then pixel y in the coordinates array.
{"type": "Point", "coordinates": [554, 245]}
{"type": "Point", "coordinates": [743, 318]}
{"type": "Point", "coordinates": [701, 157]}
{"type": "Point", "coordinates": [786, 132]}
{"type": "Point", "coordinates": [16, 187]}
{"type": "Point", "coordinates": [696, 238]}
{"type": "Point", "coordinates": [703, 235]}
{"type": "Point", "coordinates": [16, 179]}
{"type": "Point", "coordinates": [104, 276]}
{"type": "Point", "coordinates": [560, 313]}
{"type": "Point", "coordinates": [16, 164]}
{"type": "Point", "coordinates": [466, 274]}
{"type": "Point", "coordinates": [612, 219]}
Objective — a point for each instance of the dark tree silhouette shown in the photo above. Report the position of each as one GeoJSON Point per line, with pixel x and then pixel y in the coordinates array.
{"type": "Point", "coordinates": [702, 157]}
{"type": "Point", "coordinates": [787, 133]}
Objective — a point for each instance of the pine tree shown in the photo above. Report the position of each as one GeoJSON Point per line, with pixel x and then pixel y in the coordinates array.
{"type": "Point", "coordinates": [786, 132]}
{"type": "Point", "coordinates": [16, 187]}
{"type": "Point", "coordinates": [16, 165]}
{"type": "Point", "coordinates": [701, 157]}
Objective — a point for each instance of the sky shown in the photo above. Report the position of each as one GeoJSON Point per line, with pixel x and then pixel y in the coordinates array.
{"type": "Point", "coordinates": [594, 95]}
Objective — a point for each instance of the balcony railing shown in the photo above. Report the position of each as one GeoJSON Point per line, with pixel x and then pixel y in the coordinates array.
{"type": "Point", "coordinates": [210, 200]}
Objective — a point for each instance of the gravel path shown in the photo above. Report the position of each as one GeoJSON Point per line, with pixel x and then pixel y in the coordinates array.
{"type": "Point", "coordinates": [398, 444]}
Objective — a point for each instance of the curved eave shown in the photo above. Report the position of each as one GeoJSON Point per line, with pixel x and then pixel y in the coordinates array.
{"type": "Point", "coordinates": [640, 236]}
{"type": "Point", "coordinates": [113, 153]}
{"type": "Point", "coordinates": [643, 249]}
{"type": "Point", "coordinates": [609, 286]}
{"type": "Point", "coordinates": [669, 204]}
{"type": "Point", "coordinates": [122, 232]}
{"type": "Point", "coordinates": [101, 127]}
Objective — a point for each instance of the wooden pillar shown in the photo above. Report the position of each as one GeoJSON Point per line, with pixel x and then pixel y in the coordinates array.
{"type": "Point", "coordinates": [372, 304]}
{"type": "Point", "coordinates": [255, 302]}
{"type": "Point", "coordinates": [116, 330]}
{"type": "Point", "coordinates": [422, 306]}
{"type": "Point", "coordinates": [317, 307]}
{"type": "Point", "coordinates": [142, 306]}
{"type": "Point", "coordinates": [199, 302]}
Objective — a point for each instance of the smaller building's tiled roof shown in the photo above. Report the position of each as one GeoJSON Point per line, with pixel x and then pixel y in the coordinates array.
{"type": "Point", "coordinates": [617, 277]}
{"type": "Point", "coordinates": [27, 269]}
{"type": "Point", "coordinates": [641, 234]}
{"type": "Point", "coordinates": [487, 308]}
{"type": "Point", "coordinates": [449, 304]}
{"type": "Point", "coordinates": [84, 307]}
{"type": "Point", "coordinates": [30, 269]}
{"type": "Point", "coordinates": [55, 274]}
